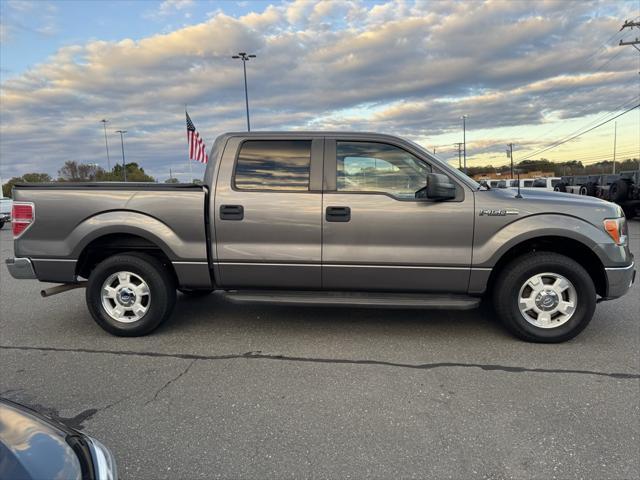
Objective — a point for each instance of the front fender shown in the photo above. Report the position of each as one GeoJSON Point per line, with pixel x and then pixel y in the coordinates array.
{"type": "Point", "coordinates": [491, 244]}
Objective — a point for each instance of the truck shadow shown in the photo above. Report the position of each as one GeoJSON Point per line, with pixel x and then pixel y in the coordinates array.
{"type": "Point", "coordinates": [201, 315]}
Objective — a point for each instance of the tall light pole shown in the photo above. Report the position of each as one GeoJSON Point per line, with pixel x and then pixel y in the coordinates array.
{"type": "Point", "coordinates": [124, 165]}
{"type": "Point", "coordinates": [464, 140]}
{"type": "Point", "coordinates": [615, 134]}
{"type": "Point", "coordinates": [459, 145]}
{"type": "Point", "coordinates": [510, 155]}
{"type": "Point", "coordinates": [245, 58]}
{"type": "Point", "coordinates": [106, 143]}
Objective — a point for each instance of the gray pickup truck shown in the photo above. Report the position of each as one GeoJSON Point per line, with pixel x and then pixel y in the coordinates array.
{"type": "Point", "coordinates": [325, 219]}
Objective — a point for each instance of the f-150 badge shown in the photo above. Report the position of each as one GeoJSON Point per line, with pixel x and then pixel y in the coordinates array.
{"type": "Point", "coordinates": [498, 212]}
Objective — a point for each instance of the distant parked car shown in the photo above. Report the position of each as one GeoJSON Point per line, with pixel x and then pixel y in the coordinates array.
{"type": "Point", "coordinates": [548, 183]}
{"type": "Point", "coordinates": [524, 183]}
{"type": "Point", "coordinates": [5, 210]}
{"type": "Point", "coordinates": [497, 183]}
{"type": "Point", "coordinates": [34, 447]}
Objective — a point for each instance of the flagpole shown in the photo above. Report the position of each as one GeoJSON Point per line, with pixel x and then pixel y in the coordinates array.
{"type": "Point", "coordinates": [188, 157]}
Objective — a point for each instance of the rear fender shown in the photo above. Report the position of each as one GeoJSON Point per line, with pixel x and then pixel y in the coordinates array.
{"type": "Point", "coordinates": [134, 223]}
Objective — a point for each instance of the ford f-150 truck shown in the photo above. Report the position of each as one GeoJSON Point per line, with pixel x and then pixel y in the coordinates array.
{"type": "Point", "coordinates": [325, 219]}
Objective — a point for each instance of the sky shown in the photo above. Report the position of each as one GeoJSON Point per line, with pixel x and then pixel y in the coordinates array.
{"type": "Point", "coordinates": [524, 72]}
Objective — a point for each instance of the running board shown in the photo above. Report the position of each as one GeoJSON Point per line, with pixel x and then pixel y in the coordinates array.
{"type": "Point", "coordinates": [355, 299]}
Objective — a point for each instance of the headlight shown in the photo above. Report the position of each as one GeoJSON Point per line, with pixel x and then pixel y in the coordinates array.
{"type": "Point", "coordinates": [617, 229]}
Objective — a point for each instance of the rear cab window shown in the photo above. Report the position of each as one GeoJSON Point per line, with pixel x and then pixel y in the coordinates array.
{"type": "Point", "coordinates": [280, 165]}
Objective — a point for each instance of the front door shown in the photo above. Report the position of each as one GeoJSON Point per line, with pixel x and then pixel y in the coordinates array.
{"type": "Point", "coordinates": [377, 235]}
{"type": "Point", "coordinates": [267, 213]}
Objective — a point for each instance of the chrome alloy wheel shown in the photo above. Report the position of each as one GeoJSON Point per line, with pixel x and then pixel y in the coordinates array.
{"type": "Point", "coordinates": [125, 297]}
{"type": "Point", "coordinates": [547, 300]}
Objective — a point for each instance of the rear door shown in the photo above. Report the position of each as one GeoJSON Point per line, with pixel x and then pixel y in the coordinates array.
{"type": "Point", "coordinates": [268, 210]}
{"type": "Point", "coordinates": [377, 235]}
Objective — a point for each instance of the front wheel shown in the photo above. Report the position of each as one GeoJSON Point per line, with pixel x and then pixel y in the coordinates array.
{"type": "Point", "coordinates": [131, 294]}
{"type": "Point", "coordinates": [545, 297]}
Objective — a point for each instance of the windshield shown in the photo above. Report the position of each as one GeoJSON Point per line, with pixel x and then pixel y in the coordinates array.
{"type": "Point", "coordinates": [454, 171]}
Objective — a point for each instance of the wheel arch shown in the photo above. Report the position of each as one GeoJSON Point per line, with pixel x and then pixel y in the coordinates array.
{"type": "Point", "coordinates": [101, 247]}
{"type": "Point", "coordinates": [569, 247]}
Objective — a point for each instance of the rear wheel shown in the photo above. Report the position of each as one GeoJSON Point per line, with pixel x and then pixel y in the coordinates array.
{"type": "Point", "coordinates": [545, 297]}
{"type": "Point", "coordinates": [130, 294]}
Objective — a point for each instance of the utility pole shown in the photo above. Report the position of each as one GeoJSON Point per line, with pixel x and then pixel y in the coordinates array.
{"type": "Point", "coordinates": [106, 143]}
{"type": "Point", "coordinates": [510, 155]}
{"type": "Point", "coordinates": [124, 165]}
{"type": "Point", "coordinates": [245, 58]}
{"type": "Point", "coordinates": [615, 134]}
{"type": "Point", "coordinates": [459, 145]}
{"type": "Point", "coordinates": [630, 24]}
{"type": "Point", "coordinates": [464, 140]}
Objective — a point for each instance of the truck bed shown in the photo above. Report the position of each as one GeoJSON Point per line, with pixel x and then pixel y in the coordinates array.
{"type": "Point", "coordinates": [72, 217]}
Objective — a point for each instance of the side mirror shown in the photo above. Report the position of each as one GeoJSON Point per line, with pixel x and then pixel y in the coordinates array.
{"type": "Point", "coordinates": [439, 187]}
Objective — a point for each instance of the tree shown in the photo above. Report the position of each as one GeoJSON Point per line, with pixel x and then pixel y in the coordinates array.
{"type": "Point", "coordinates": [134, 174]}
{"type": "Point", "coordinates": [73, 171]}
{"type": "Point", "coordinates": [26, 178]}
{"type": "Point", "coordinates": [172, 180]}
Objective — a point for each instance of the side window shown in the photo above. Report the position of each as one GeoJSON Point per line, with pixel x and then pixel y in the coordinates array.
{"type": "Point", "coordinates": [528, 183]}
{"type": "Point", "coordinates": [378, 167]}
{"type": "Point", "coordinates": [273, 165]}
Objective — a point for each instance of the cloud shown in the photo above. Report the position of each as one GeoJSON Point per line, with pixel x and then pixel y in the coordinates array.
{"type": "Point", "coordinates": [171, 7]}
{"type": "Point", "coordinates": [411, 68]}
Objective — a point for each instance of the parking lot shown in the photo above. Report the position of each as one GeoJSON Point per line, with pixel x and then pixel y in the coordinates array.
{"type": "Point", "coordinates": [230, 391]}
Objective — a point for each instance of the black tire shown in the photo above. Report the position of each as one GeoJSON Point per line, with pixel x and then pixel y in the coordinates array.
{"type": "Point", "coordinates": [561, 187]}
{"type": "Point", "coordinates": [630, 212]}
{"type": "Point", "coordinates": [195, 293]}
{"type": "Point", "coordinates": [592, 189]}
{"type": "Point", "coordinates": [618, 191]}
{"type": "Point", "coordinates": [583, 190]}
{"type": "Point", "coordinates": [516, 273]}
{"type": "Point", "coordinates": [1, 224]}
{"type": "Point", "coordinates": [162, 296]}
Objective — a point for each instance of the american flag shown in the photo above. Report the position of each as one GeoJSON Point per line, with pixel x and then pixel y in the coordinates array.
{"type": "Point", "coordinates": [197, 149]}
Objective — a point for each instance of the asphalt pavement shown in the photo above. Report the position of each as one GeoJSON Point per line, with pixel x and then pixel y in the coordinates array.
{"type": "Point", "coordinates": [229, 391]}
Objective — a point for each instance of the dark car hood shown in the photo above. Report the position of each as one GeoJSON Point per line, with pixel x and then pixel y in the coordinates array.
{"type": "Point", "coordinates": [33, 447]}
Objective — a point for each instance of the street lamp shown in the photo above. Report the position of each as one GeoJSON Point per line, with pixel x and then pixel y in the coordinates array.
{"type": "Point", "coordinates": [245, 58]}
{"type": "Point", "coordinates": [464, 140]}
{"type": "Point", "coordinates": [106, 143]}
{"type": "Point", "coordinates": [124, 165]}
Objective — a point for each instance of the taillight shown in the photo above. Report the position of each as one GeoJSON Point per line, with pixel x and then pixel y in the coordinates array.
{"type": "Point", "coordinates": [23, 215]}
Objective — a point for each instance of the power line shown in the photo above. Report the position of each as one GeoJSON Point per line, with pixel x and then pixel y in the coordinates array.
{"type": "Point", "coordinates": [592, 122]}
{"type": "Point", "coordinates": [557, 144]}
